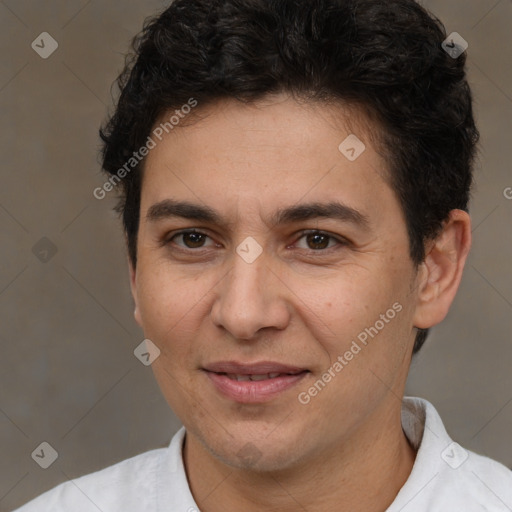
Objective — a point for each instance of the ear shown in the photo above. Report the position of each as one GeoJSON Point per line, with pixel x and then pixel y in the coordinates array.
{"type": "Point", "coordinates": [440, 274]}
{"type": "Point", "coordinates": [133, 287]}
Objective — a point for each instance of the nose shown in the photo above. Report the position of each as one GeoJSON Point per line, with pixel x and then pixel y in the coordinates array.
{"type": "Point", "coordinates": [251, 298]}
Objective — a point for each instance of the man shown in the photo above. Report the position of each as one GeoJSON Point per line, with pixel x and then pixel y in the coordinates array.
{"type": "Point", "coordinates": [295, 178]}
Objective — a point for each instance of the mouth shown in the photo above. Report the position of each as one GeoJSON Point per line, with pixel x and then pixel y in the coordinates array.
{"type": "Point", "coordinates": [253, 383]}
{"type": "Point", "coordinates": [255, 377]}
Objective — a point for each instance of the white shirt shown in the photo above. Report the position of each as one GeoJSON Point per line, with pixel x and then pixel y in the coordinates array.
{"type": "Point", "coordinates": [444, 478]}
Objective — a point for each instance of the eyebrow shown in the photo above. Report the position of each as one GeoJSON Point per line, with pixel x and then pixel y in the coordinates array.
{"type": "Point", "coordinates": [169, 208]}
{"type": "Point", "coordinates": [330, 210]}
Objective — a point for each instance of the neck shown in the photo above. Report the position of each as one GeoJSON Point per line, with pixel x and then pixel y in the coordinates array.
{"type": "Point", "coordinates": [362, 473]}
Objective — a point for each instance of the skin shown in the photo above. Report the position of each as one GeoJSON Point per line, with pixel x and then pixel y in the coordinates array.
{"type": "Point", "coordinates": [301, 302]}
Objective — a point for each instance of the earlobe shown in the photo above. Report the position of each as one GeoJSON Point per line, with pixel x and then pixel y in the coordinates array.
{"type": "Point", "coordinates": [441, 272]}
{"type": "Point", "coordinates": [133, 287]}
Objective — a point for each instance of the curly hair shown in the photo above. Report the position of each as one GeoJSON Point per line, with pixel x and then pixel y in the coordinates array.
{"type": "Point", "coordinates": [383, 57]}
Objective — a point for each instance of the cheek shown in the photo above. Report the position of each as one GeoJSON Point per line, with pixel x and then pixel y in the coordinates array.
{"type": "Point", "coordinates": [163, 313]}
{"type": "Point", "coordinates": [167, 298]}
{"type": "Point", "coordinates": [338, 304]}
{"type": "Point", "coordinates": [356, 305]}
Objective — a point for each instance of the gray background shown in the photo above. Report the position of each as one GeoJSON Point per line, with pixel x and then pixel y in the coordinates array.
{"type": "Point", "coordinates": [68, 374]}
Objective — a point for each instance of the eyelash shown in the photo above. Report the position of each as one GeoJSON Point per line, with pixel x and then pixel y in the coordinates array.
{"type": "Point", "coordinates": [340, 242]}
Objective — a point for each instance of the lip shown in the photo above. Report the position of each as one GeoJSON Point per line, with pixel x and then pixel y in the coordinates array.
{"type": "Point", "coordinates": [253, 392]}
{"type": "Point", "coordinates": [258, 368]}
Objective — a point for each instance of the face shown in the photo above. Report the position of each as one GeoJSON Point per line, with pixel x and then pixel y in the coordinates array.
{"type": "Point", "coordinates": [274, 276]}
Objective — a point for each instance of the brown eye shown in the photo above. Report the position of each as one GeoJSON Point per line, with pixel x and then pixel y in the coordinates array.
{"type": "Point", "coordinates": [190, 240]}
{"type": "Point", "coordinates": [194, 240]}
{"type": "Point", "coordinates": [317, 241]}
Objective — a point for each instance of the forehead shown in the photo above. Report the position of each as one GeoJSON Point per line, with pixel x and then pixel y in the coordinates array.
{"type": "Point", "coordinates": [247, 155]}
{"type": "Point", "coordinates": [300, 124]}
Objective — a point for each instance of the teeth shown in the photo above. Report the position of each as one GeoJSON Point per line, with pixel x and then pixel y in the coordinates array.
{"type": "Point", "coordinates": [260, 377]}
{"type": "Point", "coordinates": [232, 376]}
{"type": "Point", "coordinates": [265, 376]}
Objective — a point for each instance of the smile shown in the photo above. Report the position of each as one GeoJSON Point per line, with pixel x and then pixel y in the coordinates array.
{"type": "Point", "coordinates": [254, 388]}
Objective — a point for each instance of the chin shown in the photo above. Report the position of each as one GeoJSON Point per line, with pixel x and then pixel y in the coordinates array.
{"type": "Point", "coordinates": [258, 453]}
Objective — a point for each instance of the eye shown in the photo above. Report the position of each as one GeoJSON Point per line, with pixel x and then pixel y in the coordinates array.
{"type": "Point", "coordinates": [318, 241]}
{"type": "Point", "coordinates": [191, 240]}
